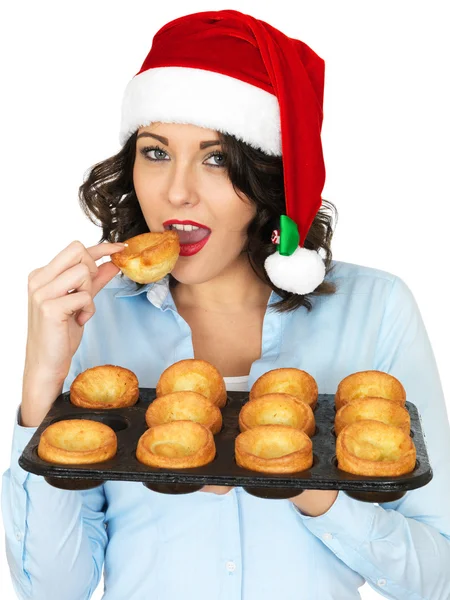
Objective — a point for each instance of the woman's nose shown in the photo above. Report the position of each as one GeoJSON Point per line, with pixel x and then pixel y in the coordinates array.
{"type": "Point", "coordinates": [181, 187]}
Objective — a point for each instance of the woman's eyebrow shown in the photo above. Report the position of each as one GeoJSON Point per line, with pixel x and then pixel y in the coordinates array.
{"type": "Point", "coordinates": [165, 140]}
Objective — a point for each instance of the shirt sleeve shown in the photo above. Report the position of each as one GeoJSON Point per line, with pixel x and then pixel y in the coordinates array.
{"type": "Point", "coordinates": [55, 539]}
{"type": "Point", "coordinates": [402, 548]}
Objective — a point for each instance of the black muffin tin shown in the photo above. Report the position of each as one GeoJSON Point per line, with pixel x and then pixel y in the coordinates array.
{"type": "Point", "coordinates": [129, 424]}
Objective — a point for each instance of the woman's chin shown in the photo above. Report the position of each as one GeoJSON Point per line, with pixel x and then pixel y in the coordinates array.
{"type": "Point", "coordinates": [190, 274]}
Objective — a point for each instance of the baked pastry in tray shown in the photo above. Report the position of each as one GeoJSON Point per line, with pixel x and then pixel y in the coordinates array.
{"type": "Point", "coordinates": [105, 386]}
{"type": "Point", "coordinates": [77, 441]}
{"type": "Point", "coordinates": [184, 406]}
{"type": "Point", "coordinates": [375, 449]}
{"type": "Point", "coordinates": [274, 449]}
{"type": "Point", "coordinates": [373, 409]}
{"type": "Point", "coordinates": [148, 256]}
{"type": "Point", "coordinates": [176, 445]}
{"type": "Point", "coordinates": [277, 409]}
{"type": "Point", "coordinates": [193, 375]}
{"type": "Point", "coordinates": [291, 381]}
{"type": "Point", "coordinates": [369, 383]}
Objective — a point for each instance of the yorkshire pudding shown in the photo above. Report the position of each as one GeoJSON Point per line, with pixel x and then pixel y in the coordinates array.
{"type": "Point", "coordinates": [291, 381]}
{"type": "Point", "coordinates": [277, 409]}
{"type": "Point", "coordinates": [148, 256]}
{"type": "Point", "coordinates": [373, 409]}
{"type": "Point", "coordinates": [369, 383]}
{"type": "Point", "coordinates": [106, 386]}
{"type": "Point", "coordinates": [77, 441]}
{"type": "Point", "coordinates": [375, 449]}
{"type": "Point", "coordinates": [184, 406]}
{"type": "Point", "coordinates": [193, 375]}
{"type": "Point", "coordinates": [274, 449]}
{"type": "Point", "coordinates": [176, 445]}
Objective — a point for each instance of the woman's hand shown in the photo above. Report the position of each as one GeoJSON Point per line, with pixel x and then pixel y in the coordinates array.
{"type": "Point", "coordinates": [315, 502]}
{"type": "Point", "coordinates": [216, 489]}
{"type": "Point", "coordinates": [60, 302]}
{"type": "Point", "coordinates": [311, 502]}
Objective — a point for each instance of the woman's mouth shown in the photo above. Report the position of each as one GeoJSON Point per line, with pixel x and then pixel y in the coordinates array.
{"type": "Point", "coordinates": [193, 236]}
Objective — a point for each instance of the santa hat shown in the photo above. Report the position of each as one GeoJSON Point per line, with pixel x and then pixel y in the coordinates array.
{"type": "Point", "coordinates": [230, 72]}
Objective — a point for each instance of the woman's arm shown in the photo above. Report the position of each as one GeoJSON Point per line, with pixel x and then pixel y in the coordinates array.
{"type": "Point", "coordinates": [402, 548]}
{"type": "Point", "coordinates": [55, 539]}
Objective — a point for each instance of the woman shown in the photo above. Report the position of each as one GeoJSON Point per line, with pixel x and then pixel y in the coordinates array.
{"type": "Point", "coordinates": [201, 140]}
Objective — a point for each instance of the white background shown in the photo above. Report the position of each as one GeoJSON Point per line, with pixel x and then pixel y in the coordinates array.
{"type": "Point", "coordinates": [385, 135]}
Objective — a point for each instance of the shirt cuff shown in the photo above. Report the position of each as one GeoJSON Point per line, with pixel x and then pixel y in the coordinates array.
{"type": "Point", "coordinates": [346, 518]}
{"type": "Point", "coordinates": [21, 436]}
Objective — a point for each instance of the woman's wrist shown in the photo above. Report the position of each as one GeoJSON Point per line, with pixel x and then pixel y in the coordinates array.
{"type": "Point", "coordinates": [38, 395]}
{"type": "Point", "coordinates": [313, 503]}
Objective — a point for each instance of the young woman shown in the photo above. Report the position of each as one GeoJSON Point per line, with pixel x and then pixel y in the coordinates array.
{"type": "Point", "coordinates": [221, 130]}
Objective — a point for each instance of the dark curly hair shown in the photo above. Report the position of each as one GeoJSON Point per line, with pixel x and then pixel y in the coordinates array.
{"type": "Point", "coordinates": [109, 200]}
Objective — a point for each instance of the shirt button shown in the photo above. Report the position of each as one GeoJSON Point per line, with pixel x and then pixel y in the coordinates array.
{"type": "Point", "coordinates": [231, 566]}
{"type": "Point", "coordinates": [18, 536]}
{"type": "Point", "coordinates": [327, 537]}
{"type": "Point", "coordinates": [381, 582]}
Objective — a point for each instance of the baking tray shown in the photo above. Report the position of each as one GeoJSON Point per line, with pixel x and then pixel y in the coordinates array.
{"type": "Point", "coordinates": [129, 424]}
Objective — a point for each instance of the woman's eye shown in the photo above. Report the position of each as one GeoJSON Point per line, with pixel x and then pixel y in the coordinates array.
{"type": "Point", "coordinates": [218, 159]}
{"type": "Point", "coordinates": [159, 154]}
{"type": "Point", "coordinates": [156, 154]}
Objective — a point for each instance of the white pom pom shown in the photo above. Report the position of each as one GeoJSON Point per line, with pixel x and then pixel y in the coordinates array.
{"type": "Point", "coordinates": [299, 273]}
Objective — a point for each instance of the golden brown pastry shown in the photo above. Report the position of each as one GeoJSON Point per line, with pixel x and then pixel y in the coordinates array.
{"type": "Point", "coordinates": [149, 256]}
{"type": "Point", "coordinates": [373, 409]}
{"type": "Point", "coordinates": [77, 441]}
{"type": "Point", "coordinates": [184, 406]}
{"type": "Point", "coordinates": [274, 449]}
{"type": "Point", "coordinates": [369, 383]}
{"type": "Point", "coordinates": [277, 409]}
{"type": "Point", "coordinates": [193, 375]}
{"type": "Point", "coordinates": [106, 386]}
{"type": "Point", "coordinates": [375, 449]}
{"type": "Point", "coordinates": [176, 445]}
{"type": "Point", "coordinates": [291, 381]}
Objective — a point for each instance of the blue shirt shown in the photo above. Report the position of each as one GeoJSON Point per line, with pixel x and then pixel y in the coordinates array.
{"type": "Point", "coordinates": [204, 546]}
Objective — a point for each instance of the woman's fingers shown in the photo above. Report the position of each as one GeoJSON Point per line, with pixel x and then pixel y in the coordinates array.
{"type": "Point", "coordinates": [75, 253]}
{"type": "Point", "coordinates": [76, 278]}
{"type": "Point", "coordinates": [105, 273]}
{"type": "Point", "coordinates": [61, 309]}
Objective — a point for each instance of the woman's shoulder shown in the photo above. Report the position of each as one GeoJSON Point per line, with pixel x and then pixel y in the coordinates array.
{"type": "Point", "coordinates": [354, 278]}
{"type": "Point", "coordinates": [361, 281]}
{"type": "Point", "coordinates": [345, 271]}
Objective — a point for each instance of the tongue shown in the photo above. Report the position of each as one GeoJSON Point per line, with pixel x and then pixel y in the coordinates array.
{"type": "Point", "coordinates": [192, 237]}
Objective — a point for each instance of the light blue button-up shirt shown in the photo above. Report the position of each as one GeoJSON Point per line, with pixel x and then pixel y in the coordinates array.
{"type": "Point", "coordinates": [204, 546]}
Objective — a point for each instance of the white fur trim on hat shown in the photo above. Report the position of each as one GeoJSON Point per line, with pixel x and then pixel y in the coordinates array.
{"type": "Point", "coordinates": [300, 273]}
{"type": "Point", "coordinates": [204, 98]}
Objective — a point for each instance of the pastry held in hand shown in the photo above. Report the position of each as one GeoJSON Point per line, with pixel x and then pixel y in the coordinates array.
{"type": "Point", "coordinates": [287, 380]}
{"type": "Point", "coordinates": [364, 384]}
{"type": "Point", "coordinates": [176, 445]}
{"type": "Point", "coordinates": [193, 375]}
{"type": "Point", "coordinates": [375, 449]}
{"type": "Point", "coordinates": [277, 409]}
{"type": "Point", "coordinates": [149, 256]}
{"type": "Point", "coordinates": [274, 449]}
{"type": "Point", "coordinates": [105, 386]}
{"type": "Point", "coordinates": [184, 406]}
{"type": "Point", "coordinates": [77, 441]}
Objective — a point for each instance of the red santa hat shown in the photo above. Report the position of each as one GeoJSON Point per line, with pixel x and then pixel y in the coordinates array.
{"type": "Point", "coordinates": [230, 72]}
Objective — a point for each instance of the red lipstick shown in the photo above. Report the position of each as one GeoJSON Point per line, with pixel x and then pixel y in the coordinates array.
{"type": "Point", "coordinates": [166, 224]}
{"type": "Point", "coordinates": [191, 242]}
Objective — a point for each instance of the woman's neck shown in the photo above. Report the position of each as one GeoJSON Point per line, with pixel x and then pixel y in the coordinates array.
{"type": "Point", "coordinates": [233, 291]}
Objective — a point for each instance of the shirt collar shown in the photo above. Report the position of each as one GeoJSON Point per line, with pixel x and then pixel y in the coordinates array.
{"type": "Point", "coordinates": [159, 295]}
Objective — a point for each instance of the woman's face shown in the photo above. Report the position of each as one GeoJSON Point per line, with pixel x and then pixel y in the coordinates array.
{"type": "Point", "coordinates": [181, 183]}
